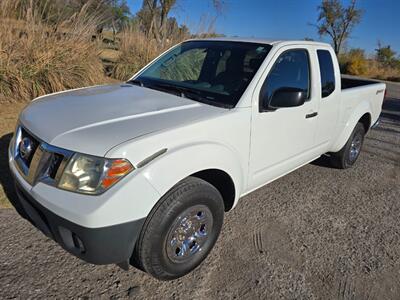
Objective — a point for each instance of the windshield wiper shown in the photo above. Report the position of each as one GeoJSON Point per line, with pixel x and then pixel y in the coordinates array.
{"type": "Point", "coordinates": [186, 92]}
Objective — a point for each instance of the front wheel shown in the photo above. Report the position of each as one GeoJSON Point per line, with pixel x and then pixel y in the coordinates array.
{"type": "Point", "coordinates": [181, 230]}
{"type": "Point", "coordinates": [348, 155]}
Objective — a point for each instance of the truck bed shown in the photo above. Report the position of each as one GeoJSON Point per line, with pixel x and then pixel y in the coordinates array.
{"type": "Point", "coordinates": [348, 83]}
{"type": "Point", "coordinates": [356, 91]}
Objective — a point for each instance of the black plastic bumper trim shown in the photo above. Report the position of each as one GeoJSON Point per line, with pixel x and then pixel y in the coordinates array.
{"type": "Point", "coordinates": [105, 245]}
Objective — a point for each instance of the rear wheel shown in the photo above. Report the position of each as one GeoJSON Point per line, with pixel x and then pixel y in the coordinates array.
{"type": "Point", "coordinates": [348, 155]}
{"type": "Point", "coordinates": [181, 230]}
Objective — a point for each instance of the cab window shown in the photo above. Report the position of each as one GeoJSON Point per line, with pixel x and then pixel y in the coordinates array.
{"type": "Point", "coordinates": [327, 72]}
{"type": "Point", "coordinates": [291, 70]}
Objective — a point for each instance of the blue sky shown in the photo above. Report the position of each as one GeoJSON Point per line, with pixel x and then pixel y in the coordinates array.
{"type": "Point", "coordinates": [289, 19]}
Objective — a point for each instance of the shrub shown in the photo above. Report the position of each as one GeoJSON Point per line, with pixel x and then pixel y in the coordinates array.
{"type": "Point", "coordinates": [38, 58]}
{"type": "Point", "coordinates": [386, 56]}
{"type": "Point", "coordinates": [354, 62]}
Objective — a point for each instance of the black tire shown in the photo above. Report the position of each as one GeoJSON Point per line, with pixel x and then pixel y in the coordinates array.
{"type": "Point", "coordinates": [347, 156]}
{"type": "Point", "coordinates": [154, 251]}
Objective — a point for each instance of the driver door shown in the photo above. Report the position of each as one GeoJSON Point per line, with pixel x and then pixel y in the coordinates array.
{"type": "Point", "coordinates": [282, 139]}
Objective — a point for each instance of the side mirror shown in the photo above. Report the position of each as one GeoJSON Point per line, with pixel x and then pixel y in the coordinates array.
{"type": "Point", "coordinates": [287, 97]}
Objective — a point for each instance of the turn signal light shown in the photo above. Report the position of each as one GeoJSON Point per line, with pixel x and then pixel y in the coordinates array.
{"type": "Point", "coordinates": [116, 171]}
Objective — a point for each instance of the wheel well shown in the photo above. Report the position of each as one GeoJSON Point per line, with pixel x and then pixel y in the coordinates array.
{"type": "Point", "coordinates": [366, 121]}
{"type": "Point", "coordinates": [222, 182]}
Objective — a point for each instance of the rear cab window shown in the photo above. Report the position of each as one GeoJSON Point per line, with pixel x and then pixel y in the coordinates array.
{"type": "Point", "coordinates": [327, 72]}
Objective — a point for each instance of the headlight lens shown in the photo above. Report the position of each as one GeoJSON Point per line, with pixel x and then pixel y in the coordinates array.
{"type": "Point", "coordinates": [93, 175]}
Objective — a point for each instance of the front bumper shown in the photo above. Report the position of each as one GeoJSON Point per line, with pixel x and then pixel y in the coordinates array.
{"type": "Point", "coordinates": [100, 229]}
{"type": "Point", "coordinates": [104, 245]}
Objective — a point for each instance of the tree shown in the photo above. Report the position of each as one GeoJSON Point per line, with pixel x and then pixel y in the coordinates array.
{"type": "Point", "coordinates": [119, 14]}
{"type": "Point", "coordinates": [337, 21]}
{"type": "Point", "coordinates": [166, 6]}
{"type": "Point", "coordinates": [151, 12]}
{"type": "Point", "coordinates": [385, 55]}
{"type": "Point", "coordinates": [155, 21]}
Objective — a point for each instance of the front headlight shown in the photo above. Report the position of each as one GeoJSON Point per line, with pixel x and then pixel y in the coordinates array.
{"type": "Point", "coordinates": [93, 175]}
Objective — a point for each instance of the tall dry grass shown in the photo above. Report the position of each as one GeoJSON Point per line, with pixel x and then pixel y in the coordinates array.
{"type": "Point", "coordinates": [378, 71]}
{"type": "Point", "coordinates": [37, 57]}
{"type": "Point", "coordinates": [42, 53]}
{"type": "Point", "coordinates": [137, 49]}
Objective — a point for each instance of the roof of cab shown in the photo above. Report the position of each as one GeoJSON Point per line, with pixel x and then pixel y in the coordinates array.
{"type": "Point", "coordinates": [263, 41]}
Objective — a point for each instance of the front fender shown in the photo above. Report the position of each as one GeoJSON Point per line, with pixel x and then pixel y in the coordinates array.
{"type": "Point", "coordinates": [352, 120]}
{"type": "Point", "coordinates": [176, 164]}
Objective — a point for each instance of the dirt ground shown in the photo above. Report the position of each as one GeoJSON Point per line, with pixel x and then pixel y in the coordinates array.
{"type": "Point", "coordinates": [317, 233]}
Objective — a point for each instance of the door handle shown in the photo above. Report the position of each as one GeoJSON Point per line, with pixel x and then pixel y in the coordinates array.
{"type": "Point", "coordinates": [312, 115]}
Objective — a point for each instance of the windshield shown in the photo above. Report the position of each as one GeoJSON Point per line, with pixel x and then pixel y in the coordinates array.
{"type": "Point", "coordinates": [213, 72]}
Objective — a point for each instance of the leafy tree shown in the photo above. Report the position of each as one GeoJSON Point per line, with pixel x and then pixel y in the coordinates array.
{"type": "Point", "coordinates": [337, 21]}
{"type": "Point", "coordinates": [385, 55]}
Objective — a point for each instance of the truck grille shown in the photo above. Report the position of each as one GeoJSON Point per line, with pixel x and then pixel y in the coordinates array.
{"type": "Point", "coordinates": [37, 160]}
{"type": "Point", "coordinates": [29, 144]}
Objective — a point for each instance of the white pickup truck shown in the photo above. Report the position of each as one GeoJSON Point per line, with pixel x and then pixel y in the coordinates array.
{"type": "Point", "coordinates": [142, 172]}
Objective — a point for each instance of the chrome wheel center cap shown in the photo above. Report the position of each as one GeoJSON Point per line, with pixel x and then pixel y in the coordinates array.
{"type": "Point", "coordinates": [355, 147]}
{"type": "Point", "coordinates": [189, 233]}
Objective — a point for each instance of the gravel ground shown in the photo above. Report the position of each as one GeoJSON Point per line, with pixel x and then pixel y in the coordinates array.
{"type": "Point", "coordinates": [317, 233]}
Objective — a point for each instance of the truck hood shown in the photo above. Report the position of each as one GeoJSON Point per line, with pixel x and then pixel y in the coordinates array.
{"type": "Point", "coordinates": [93, 120]}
